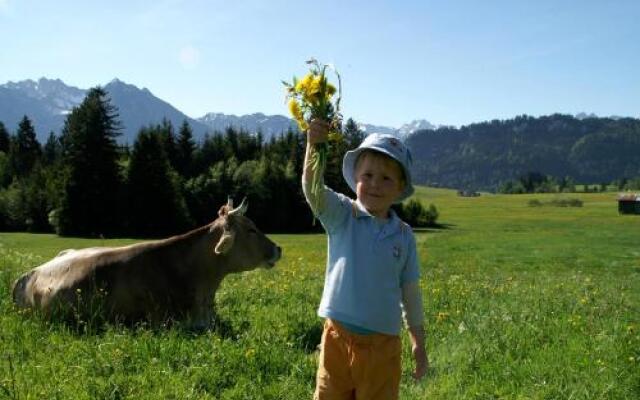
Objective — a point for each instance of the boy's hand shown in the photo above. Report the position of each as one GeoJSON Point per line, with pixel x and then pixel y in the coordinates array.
{"type": "Point", "coordinates": [419, 351]}
{"type": "Point", "coordinates": [318, 131]}
{"type": "Point", "coordinates": [422, 362]}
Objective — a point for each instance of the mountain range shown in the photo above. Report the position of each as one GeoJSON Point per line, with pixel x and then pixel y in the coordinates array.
{"type": "Point", "coordinates": [47, 102]}
{"type": "Point", "coordinates": [482, 155]}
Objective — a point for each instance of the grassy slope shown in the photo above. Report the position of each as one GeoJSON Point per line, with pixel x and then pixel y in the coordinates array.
{"type": "Point", "coordinates": [520, 302]}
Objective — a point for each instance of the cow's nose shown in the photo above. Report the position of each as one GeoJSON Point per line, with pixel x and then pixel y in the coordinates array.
{"type": "Point", "coordinates": [275, 256]}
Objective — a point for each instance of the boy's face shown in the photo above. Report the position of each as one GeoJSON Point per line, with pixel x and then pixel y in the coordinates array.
{"type": "Point", "coordinates": [379, 183]}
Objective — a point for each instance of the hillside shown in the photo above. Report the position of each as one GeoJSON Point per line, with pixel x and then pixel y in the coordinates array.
{"type": "Point", "coordinates": [482, 155]}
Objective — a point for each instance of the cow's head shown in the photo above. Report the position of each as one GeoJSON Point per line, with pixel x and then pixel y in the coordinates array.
{"type": "Point", "coordinates": [240, 242]}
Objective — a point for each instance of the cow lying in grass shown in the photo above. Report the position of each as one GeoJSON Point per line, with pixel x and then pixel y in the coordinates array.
{"type": "Point", "coordinates": [158, 281]}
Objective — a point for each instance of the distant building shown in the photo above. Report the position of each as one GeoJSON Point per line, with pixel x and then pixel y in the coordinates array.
{"type": "Point", "coordinates": [468, 193]}
{"type": "Point", "coordinates": [629, 203]}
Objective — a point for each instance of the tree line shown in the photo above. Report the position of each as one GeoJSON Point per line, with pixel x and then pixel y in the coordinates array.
{"type": "Point", "coordinates": [83, 183]}
{"type": "Point", "coordinates": [535, 182]}
{"type": "Point", "coordinates": [487, 155]}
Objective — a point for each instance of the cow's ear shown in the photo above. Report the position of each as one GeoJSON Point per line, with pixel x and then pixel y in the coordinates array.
{"type": "Point", "coordinates": [224, 210]}
{"type": "Point", "coordinates": [225, 243]}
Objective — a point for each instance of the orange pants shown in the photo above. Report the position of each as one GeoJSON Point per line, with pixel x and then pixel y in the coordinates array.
{"type": "Point", "coordinates": [360, 367]}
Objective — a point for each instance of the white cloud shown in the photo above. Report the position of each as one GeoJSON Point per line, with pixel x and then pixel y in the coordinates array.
{"type": "Point", "coordinates": [189, 57]}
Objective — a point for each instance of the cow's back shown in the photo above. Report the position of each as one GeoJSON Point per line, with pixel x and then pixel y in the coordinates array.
{"type": "Point", "coordinates": [63, 276]}
{"type": "Point", "coordinates": [127, 283]}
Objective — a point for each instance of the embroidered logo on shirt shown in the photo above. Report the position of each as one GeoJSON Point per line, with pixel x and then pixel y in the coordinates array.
{"type": "Point", "coordinates": [396, 251]}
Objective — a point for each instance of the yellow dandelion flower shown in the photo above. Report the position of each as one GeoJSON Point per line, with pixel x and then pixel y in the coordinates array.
{"type": "Point", "coordinates": [311, 90]}
{"type": "Point", "coordinates": [316, 85]}
{"type": "Point", "coordinates": [294, 109]}
{"type": "Point", "coordinates": [442, 316]}
{"type": "Point", "coordinates": [319, 84]}
{"type": "Point", "coordinates": [302, 86]}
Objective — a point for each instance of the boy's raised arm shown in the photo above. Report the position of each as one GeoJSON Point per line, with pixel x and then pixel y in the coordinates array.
{"type": "Point", "coordinates": [318, 133]}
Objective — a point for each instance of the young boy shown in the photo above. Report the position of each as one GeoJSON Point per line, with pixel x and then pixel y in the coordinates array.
{"type": "Point", "coordinates": [372, 272]}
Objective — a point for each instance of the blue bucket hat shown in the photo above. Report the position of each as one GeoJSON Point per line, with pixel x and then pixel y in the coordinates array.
{"type": "Point", "coordinates": [388, 145]}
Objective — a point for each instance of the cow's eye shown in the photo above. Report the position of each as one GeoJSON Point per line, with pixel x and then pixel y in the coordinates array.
{"type": "Point", "coordinates": [253, 231]}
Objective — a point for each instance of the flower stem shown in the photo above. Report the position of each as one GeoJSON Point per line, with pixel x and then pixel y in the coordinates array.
{"type": "Point", "coordinates": [318, 163]}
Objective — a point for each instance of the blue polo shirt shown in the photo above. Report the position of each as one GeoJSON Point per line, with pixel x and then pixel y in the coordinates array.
{"type": "Point", "coordinates": [368, 263]}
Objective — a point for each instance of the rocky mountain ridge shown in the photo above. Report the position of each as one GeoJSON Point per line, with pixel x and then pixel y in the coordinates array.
{"type": "Point", "coordinates": [48, 101]}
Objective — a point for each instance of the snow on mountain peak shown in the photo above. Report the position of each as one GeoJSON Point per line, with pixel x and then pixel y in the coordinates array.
{"type": "Point", "coordinates": [58, 97]}
{"type": "Point", "coordinates": [415, 125]}
{"type": "Point", "coordinates": [402, 132]}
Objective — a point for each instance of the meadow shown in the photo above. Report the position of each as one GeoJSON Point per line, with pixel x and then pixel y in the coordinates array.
{"type": "Point", "coordinates": [520, 303]}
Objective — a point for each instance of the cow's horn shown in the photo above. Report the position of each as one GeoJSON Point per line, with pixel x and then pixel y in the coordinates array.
{"type": "Point", "coordinates": [224, 210]}
{"type": "Point", "coordinates": [242, 208]}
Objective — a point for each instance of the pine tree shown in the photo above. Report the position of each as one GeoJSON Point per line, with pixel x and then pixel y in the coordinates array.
{"type": "Point", "coordinates": [4, 139]}
{"type": "Point", "coordinates": [5, 165]}
{"type": "Point", "coordinates": [168, 137]}
{"type": "Point", "coordinates": [210, 152]}
{"type": "Point", "coordinates": [5, 172]}
{"type": "Point", "coordinates": [185, 150]}
{"type": "Point", "coordinates": [352, 135]}
{"type": "Point", "coordinates": [25, 150]}
{"type": "Point", "coordinates": [231, 143]}
{"type": "Point", "coordinates": [52, 149]}
{"type": "Point", "coordinates": [90, 203]}
{"type": "Point", "coordinates": [156, 205]}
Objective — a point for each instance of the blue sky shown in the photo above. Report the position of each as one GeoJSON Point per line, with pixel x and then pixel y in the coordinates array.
{"type": "Point", "coordinates": [450, 62]}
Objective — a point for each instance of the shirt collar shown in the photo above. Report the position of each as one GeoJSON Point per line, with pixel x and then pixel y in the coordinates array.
{"type": "Point", "coordinates": [392, 224]}
{"type": "Point", "coordinates": [361, 211]}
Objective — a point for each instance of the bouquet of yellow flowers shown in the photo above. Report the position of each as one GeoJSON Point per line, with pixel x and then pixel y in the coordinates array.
{"type": "Point", "coordinates": [313, 97]}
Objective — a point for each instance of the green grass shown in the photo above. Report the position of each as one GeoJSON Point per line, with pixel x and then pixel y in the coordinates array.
{"type": "Point", "coordinates": [520, 303]}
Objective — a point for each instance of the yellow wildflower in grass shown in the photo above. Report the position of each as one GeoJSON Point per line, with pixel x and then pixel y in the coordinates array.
{"type": "Point", "coordinates": [442, 316]}
{"type": "Point", "coordinates": [313, 97]}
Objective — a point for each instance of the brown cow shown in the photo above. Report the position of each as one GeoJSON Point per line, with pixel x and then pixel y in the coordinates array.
{"type": "Point", "coordinates": [157, 281]}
